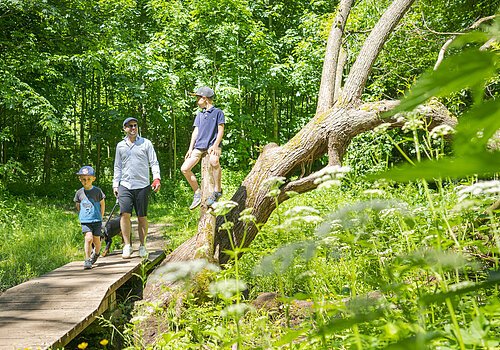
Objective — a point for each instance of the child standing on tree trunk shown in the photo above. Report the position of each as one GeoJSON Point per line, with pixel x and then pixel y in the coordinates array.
{"type": "Point", "coordinates": [205, 139]}
{"type": "Point", "coordinates": [90, 205]}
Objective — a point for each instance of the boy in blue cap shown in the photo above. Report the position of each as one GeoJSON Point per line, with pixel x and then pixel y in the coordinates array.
{"type": "Point", "coordinates": [205, 139]}
{"type": "Point", "coordinates": [90, 204]}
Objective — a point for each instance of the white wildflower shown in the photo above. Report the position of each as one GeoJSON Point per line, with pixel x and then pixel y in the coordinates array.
{"type": "Point", "coordinates": [235, 310]}
{"type": "Point", "coordinates": [182, 270]}
{"type": "Point", "coordinates": [295, 221]}
{"type": "Point", "coordinates": [412, 125]}
{"type": "Point", "coordinates": [382, 128]}
{"type": "Point", "coordinates": [374, 192]}
{"type": "Point", "coordinates": [441, 130]}
{"type": "Point", "coordinates": [479, 189]}
{"type": "Point", "coordinates": [301, 210]}
{"type": "Point", "coordinates": [329, 184]}
{"type": "Point", "coordinates": [223, 207]}
{"type": "Point", "coordinates": [384, 213]}
{"type": "Point", "coordinates": [273, 181]}
{"type": "Point", "coordinates": [226, 289]}
{"type": "Point", "coordinates": [273, 193]}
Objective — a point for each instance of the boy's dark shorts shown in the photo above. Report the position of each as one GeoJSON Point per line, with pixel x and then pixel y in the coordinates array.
{"type": "Point", "coordinates": [94, 227]}
{"type": "Point", "coordinates": [134, 199]}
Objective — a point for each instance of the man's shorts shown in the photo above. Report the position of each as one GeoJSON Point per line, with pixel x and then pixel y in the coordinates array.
{"type": "Point", "coordinates": [134, 199]}
{"type": "Point", "coordinates": [94, 227]}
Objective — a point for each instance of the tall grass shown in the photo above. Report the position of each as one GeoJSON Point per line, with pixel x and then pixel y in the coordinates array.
{"type": "Point", "coordinates": [36, 236]}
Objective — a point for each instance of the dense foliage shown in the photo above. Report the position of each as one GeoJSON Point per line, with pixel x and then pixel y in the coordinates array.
{"type": "Point", "coordinates": [356, 263]}
{"type": "Point", "coordinates": [71, 71]}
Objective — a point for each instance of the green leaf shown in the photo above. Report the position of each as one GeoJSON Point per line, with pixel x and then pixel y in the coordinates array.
{"type": "Point", "coordinates": [484, 119]}
{"type": "Point", "coordinates": [485, 163]}
{"type": "Point", "coordinates": [493, 280]}
{"type": "Point", "coordinates": [290, 337]}
{"type": "Point", "coordinates": [417, 342]}
{"type": "Point", "coordinates": [469, 69]}
{"type": "Point", "coordinates": [339, 324]}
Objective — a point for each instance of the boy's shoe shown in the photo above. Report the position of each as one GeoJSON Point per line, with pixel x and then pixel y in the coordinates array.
{"type": "Point", "coordinates": [87, 264]}
{"type": "Point", "coordinates": [93, 257]}
{"type": "Point", "coordinates": [127, 251]}
{"type": "Point", "coordinates": [214, 197]}
{"type": "Point", "coordinates": [196, 201]}
{"type": "Point", "coordinates": [143, 252]}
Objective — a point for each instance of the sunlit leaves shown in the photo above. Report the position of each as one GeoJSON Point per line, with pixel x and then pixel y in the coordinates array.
{"type": "Point", "coordinates": [469, 69]}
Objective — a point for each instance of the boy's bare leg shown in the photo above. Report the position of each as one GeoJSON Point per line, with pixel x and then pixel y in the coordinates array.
{"type": "Point", "coordinates": [142, 227]}
{"type": "Point", "coordinates": [188, 174]}
{"type": "Point", "coordinates": [126, 227]}
{"type": "Point", "coordinates": [216, 172]}
{"type": "Point", "coordinates": [88, 244]}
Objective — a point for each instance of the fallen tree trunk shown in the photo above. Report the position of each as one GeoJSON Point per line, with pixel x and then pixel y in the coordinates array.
{"type": "Point", "coordinates": [339, 124]}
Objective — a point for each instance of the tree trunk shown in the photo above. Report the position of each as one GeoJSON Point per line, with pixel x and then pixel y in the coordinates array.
{"type": "Point", "coordinates": [356, 80]}
{"type": "Point", "coordinates": [326, 95]}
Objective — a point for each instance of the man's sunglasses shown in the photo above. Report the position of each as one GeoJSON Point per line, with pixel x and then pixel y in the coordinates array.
{"type": "Point", "coordinates": [132, 126]}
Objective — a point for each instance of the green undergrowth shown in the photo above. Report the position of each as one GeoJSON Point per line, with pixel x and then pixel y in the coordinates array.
{"type": "Point", "coordinates": [37, 235]}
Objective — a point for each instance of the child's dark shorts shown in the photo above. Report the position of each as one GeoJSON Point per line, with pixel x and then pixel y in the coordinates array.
{"type": "Point", "coordinates": [134, 199]}
{"type": "Point", "coordinates": [94, 227]}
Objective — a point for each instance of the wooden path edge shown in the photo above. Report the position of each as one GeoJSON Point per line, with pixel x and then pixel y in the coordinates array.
{"type": "Point", "coordinates": [109, 299]}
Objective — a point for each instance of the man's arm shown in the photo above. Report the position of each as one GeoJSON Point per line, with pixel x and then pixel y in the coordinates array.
{"type": "Point", "coordinates": [155, 168]}
{"type": "Point", "coordinates": [117, 174]}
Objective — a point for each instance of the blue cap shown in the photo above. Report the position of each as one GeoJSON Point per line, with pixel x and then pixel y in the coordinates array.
{"type": "Point", "coordinates": [129, 119]}
{"type": "Point", "coordinates": [205, 91]}
{"type": "Point", "coordinates": [86, 170]}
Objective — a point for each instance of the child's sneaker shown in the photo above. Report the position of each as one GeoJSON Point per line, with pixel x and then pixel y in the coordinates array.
{"type": "Point", "coordinates": [196, 201]}
{"type": "Point", "coordinates": [143, 252]}
{"type": "Point", "coordinates": [87, 264]}
{"type": "Point", "coordinates": [127, 251]}
{"type": "Point", "coordinates": [93, 257]}
{"type": "Point", "coordinates": [214, 197]}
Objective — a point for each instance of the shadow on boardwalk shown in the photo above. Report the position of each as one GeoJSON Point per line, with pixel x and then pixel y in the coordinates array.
{"type": "Point", "coordinates": [52, 309]}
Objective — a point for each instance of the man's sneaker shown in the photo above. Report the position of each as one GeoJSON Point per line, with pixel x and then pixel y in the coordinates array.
{"type": "Point", "coordinates": [214, 197]}
{"type": "Point", "coordinates": [93, 257]}
{"type": "Point", "coordinates": [127, 251]}
{"type": "Point", "coordinates": [87, 264]}
{"type": "Point", "coordinates": [143, 252]}
{"type": "Point", "coordinates": [196, 201]}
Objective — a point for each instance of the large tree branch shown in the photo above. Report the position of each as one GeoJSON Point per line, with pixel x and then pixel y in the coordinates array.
{"type": "Point", "coordinates": [333, 47]}
{"type": "Point", "coordinates": [355, 82]}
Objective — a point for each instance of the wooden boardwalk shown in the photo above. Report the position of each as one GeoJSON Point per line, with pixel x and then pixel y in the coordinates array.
{"type": "Point", "coordinates": [49, 311]}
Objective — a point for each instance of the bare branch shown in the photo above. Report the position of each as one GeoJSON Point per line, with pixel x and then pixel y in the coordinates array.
{"type": "Point", "coordinates": [449, 41]}
{"type": "Point", "coordinates": [372, 46]}
{"type": "Point", "coordinates": [333, 47]}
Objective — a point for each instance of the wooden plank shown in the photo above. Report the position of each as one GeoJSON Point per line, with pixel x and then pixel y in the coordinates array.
{"type": "Point", "coordinates": [50, 310]}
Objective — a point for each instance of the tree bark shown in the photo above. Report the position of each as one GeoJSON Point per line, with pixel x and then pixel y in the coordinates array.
{"type": "Point", "coordinates": [356, 80]}
{"type": "Point", "coordinates": [326, 95]}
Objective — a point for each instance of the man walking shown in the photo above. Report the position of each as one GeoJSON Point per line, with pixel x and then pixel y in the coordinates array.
{"type": "Point", "coordinates": [134, 156]}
